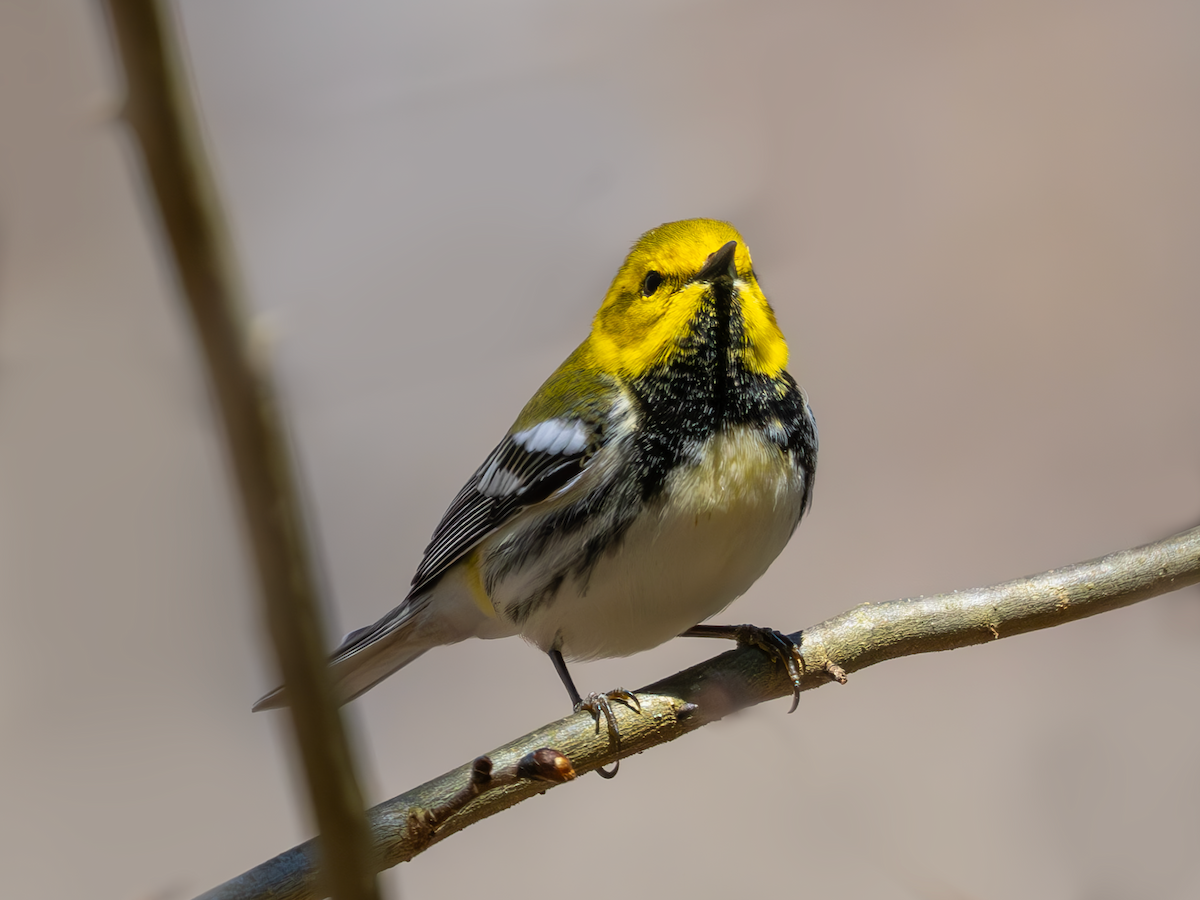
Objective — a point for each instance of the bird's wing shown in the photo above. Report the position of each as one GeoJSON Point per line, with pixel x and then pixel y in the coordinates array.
{"type": "Point", "coordinates": [525, 468]}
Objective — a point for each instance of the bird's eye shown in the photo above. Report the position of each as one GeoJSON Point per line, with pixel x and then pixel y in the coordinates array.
{"type": "Point", "coordinates": [651, 283]}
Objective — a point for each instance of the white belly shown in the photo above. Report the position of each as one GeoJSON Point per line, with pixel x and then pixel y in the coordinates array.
{"type": "Point", "coordinates": [715, 530]}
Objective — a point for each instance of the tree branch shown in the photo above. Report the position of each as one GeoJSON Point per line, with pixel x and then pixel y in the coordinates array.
{"type": "Point", "coordinates": [863, 636]}
{"type": "Point", "coordinates": [159, 112]}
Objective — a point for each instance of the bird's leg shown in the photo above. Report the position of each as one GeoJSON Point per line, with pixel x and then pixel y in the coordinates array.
{"type": "Point", "coordinates": [598, 705]}
{"type": "Point", "coordinates": [775, 644]}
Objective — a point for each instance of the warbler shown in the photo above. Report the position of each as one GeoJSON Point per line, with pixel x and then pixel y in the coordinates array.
{"type": "Point", "coordinates": [650, 481]}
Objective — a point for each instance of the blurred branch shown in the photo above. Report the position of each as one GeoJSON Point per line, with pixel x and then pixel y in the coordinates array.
{"type": "Point", "coordinates": [158, 111]}
{"type": "Point", "coordinates": [865, 635]}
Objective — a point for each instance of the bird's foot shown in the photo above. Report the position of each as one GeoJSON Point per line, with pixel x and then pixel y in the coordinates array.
{"type": "Point", "coordinates": [600, 706]}
{"type": "Point", "coordinates": [775, 644]}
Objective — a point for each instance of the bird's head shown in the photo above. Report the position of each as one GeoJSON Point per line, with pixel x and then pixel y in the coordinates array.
{"type": "Point", "coordinates": [687, 287]}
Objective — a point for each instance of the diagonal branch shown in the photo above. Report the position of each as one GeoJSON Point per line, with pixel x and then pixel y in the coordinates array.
{"type": "Point", "coordinates": [863, 636]}
{"type": "Point", "coordinates": [159, 113]}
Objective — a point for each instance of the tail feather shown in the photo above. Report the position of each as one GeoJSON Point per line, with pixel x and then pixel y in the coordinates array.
{"type": "Point", "coordinates": [364, 658]}
{"type": "Point", "coordinates": [445, 615]}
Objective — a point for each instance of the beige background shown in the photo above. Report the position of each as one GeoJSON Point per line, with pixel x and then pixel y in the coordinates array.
{"type": "Point", "coordinates": [979, 223]}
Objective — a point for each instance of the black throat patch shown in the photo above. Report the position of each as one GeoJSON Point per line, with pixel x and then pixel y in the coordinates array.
{"type": "Point", "coordinates": [707, 388]}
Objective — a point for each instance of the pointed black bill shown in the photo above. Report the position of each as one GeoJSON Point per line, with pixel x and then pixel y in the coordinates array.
{"type": "Point", "coordinates": [720, 263]}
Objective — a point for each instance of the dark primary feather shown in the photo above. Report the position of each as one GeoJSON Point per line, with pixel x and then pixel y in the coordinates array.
{"type": "Point", "coordinates": [515, 478]}
{"type": "Point", "coordinates": [510, 479]}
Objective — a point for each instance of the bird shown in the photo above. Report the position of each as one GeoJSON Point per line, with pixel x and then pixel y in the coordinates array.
{"type": "Point", "coordinates": [652, 479]}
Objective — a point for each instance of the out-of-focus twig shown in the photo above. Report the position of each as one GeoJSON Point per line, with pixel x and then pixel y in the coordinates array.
{"type": "Point", "coordinates": [159, 112]}
{"type": "Point", "coordinates": [865, 635]}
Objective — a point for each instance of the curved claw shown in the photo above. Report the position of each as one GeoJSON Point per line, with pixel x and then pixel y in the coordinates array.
{"type": "Point", "coordinates": [779, 647]}
{"type": "Point", "coordinates": [627, 697]}
{"type": "Point", "coordinates": [775, 644]}
{"type": "Point", "coordinates": [601, 705]}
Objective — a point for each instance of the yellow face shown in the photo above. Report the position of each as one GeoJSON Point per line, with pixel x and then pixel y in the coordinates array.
{"type": "Point", "coordinates": [656, 296]}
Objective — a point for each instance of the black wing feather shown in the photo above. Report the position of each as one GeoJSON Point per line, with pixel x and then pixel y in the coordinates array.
{"type": "Point", "coordinates": [528, 477]}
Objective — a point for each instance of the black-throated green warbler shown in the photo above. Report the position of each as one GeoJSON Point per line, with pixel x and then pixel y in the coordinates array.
{"type": "Point", "coordinates": [650, 481]}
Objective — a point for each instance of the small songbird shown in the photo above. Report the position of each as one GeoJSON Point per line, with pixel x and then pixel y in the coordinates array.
{"type": "Point", "coordinates": [650, 481]}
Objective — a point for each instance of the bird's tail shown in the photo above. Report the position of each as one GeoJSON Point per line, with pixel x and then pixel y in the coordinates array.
{"type": "Point", "coordinates": [366, 657]}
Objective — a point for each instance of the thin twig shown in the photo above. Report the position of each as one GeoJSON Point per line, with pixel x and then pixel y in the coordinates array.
{"type": "Point", "coordinates": [675, 706]}
{"type": "Point", "coordinates": [159, 113]}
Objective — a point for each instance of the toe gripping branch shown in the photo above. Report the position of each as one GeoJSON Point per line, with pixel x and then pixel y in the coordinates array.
{"type": "Point", "coordinates": [775, 644]}
{"type": "Point", "coordinates": [599, 705]}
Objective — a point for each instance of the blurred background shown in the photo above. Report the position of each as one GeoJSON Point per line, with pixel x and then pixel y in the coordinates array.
{"type": "Point", "coordinates": [978, 223]}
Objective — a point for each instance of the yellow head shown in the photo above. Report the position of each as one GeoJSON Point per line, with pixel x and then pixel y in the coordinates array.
{"type": "Point", "coordinates": [667, 286]}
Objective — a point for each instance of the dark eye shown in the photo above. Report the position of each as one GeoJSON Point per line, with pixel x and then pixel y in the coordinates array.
{"type": "Point", "coordinates": [651, 283]}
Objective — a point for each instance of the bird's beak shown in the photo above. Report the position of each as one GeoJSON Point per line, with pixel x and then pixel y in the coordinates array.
{"type": "Point", "coordinates": [720, 264]}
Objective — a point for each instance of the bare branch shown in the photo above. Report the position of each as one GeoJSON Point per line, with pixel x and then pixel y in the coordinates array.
{"type": "Point", "coordinates": [160, 115]}
{"type": "Point", "coordinates": [865, 635]}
